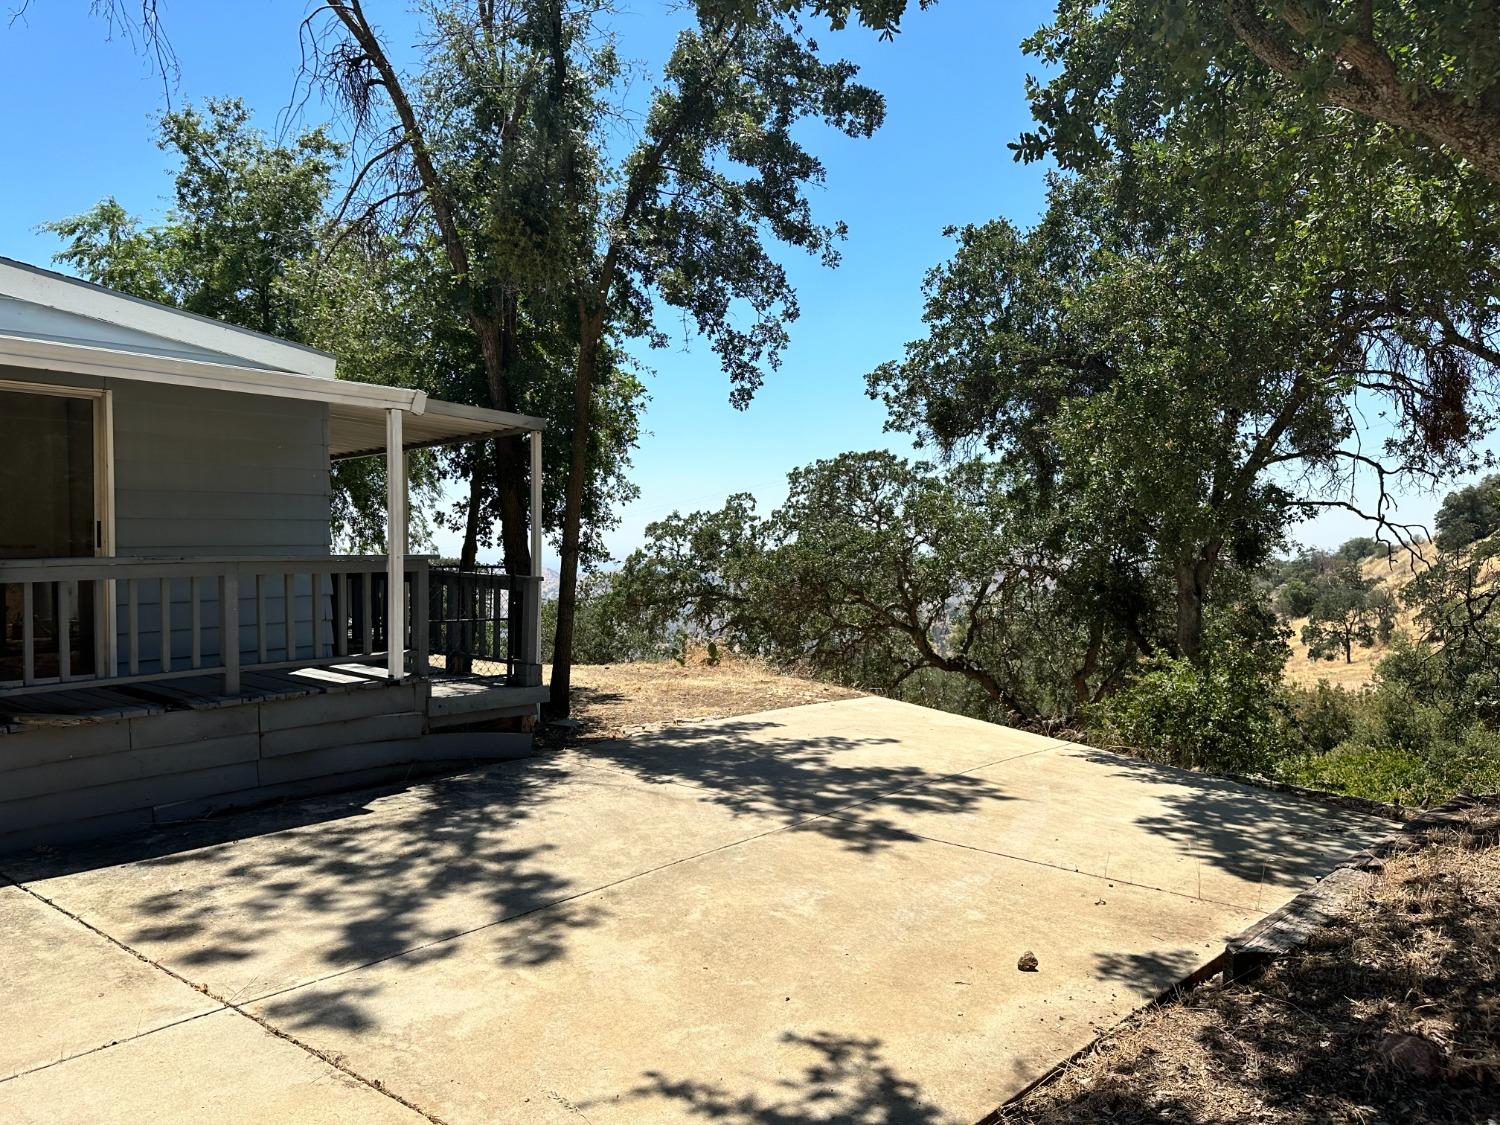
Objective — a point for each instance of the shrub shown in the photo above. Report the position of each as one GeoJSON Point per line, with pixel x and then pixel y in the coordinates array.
{"type": "Point", "coordinates": [1469, 514]}
{"type": "Point", "coordinates": [1227, 715]}
{"type": "Point", "coordinates": [1424, 774]}
{"type": "Point", "coordinates": [1417, 739]}
{"type": "Point", "coordinates": [602, 632]}
{"type": "Point", "coordinates": [1297, 598]}
{"type": "Point", "coordinates": [1378, 773]}
{"type": "Point", "coordinates": [1322, 717]}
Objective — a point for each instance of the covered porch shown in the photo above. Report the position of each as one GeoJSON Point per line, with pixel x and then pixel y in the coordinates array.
{"type": "Point", "coordinates": [179, 633]}
{"type": "Point", "coordinates": [96, 621]}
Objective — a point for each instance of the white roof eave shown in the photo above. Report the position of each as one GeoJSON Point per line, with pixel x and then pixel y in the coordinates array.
{"type": "Point", "coordinates": [80, 359]}
{"type": "Point", "coordinates": [52, 290]}
{"type": "Point", "coordinates": [361, 405]}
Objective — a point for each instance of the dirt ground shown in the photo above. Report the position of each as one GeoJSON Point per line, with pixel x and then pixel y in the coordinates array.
{"type": "Point", "coordinates": [611, 700]}
{"type": "Point", "coordinates": [1389, 1015]}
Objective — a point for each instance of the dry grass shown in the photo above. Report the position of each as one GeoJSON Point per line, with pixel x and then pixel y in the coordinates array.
{"type": "Point", "coordinates": [1391, 575]}
{"type": "Point", "coordinates": [611, 700]}
{"type": "Point", "coordinates": [1303, 1043]}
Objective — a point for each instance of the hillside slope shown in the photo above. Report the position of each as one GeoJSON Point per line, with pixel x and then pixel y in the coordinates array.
{"type": "Point", "coordinates": [1390, 574]}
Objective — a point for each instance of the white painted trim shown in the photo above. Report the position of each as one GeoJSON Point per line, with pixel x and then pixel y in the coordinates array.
{"type": "Point", "coordinates": [484, 414]}
{"type": "Point", "coordinates": [108, 363]}
{"type": "Point", "coordinates": [104, 415]}
{"type": "Point", "coordinates": [70, 295]}
{"type": "Point", "coordinates": [395, 547]}
{"type": "Point", "coordinates": [80, 359]}
{"type": "Point", "coordinates": [104, 452]}
{"type": "Point", "coordinates": [534, 439]}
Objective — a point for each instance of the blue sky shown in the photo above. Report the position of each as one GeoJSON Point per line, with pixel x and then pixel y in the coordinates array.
{"type": "Point", "coordinates": [82, 112]}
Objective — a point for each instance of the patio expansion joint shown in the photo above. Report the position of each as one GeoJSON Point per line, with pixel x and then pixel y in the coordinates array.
{"type": "Point", "coordinates": [1110, 879]}
{"type": "Point", "coordinates": [224, 1005]}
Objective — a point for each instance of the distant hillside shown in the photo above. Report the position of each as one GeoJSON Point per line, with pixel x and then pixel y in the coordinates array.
{"type": "Point", "coordinates": [551, 580]}
{"type": "Point", "coordinates": [1389, 573]}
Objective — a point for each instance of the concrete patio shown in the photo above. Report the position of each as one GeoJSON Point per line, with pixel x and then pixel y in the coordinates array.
{"type": "Point", "coordinates": [804, 915]}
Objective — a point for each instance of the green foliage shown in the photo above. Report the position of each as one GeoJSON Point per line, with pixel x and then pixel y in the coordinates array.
{"type": "Point", "coordinates": [1426, 731]}
{"type": "Point", "coordinates": [478, 199]}
{"type": "Point", "coordinates": [244, 212]}
{"type": "Point", "coordinates": [1422, 75]}
{"type": "Point", "coordinates": [1224, 715]}
{"type": "Point", "coordinates": [1379, 773]}
{"type": "Point", "coordinates": [1346, 612]}
{"type": "Point", "coordinates": [892, 575]}
{"type": "Point", "coordinates": [606, 633]}
{"type": "Point", "coordinates": [536, 204]}
{"type": "Point", "coordinates": [1359, 548]}
{"type": "Point", "coordinates": [1469, 514]}
{"type": "Point", "coordinates": [1405, 752]}
{"type": "Point", "coordinates": [240, 245]}
{"type": "Point", "coordinates": [1457, 604]}
{"type": "Point", "coordinates": [1323, 716]}
{"type": "Point", "coordinates": [1180, 404]}
{"type": "Point", "coordinates": [719, 179]}
{"type": "Point", "coordinates": [1296, 598]}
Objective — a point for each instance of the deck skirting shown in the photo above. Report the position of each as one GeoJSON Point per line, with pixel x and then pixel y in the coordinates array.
{"type": "Point", "coordinates": [113, 775]}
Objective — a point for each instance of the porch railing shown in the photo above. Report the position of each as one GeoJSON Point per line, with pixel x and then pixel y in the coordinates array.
{"type": "Point", "coordinates": [76, 621]}
{"type": "Point", "coordinates": [482, 622]}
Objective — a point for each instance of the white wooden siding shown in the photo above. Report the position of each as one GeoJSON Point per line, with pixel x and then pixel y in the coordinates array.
{"type": "Point", "coordinates": [205, 473]}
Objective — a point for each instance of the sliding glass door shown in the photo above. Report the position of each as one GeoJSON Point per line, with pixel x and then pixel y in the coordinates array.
{"type": "Point", "coordinates": [50, 492]}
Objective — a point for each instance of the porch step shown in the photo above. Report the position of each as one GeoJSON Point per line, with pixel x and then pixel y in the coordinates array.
{"type": "Point", "coordinates": [458, 702]}
{"type": "Point", "coordinates": [151, 764]}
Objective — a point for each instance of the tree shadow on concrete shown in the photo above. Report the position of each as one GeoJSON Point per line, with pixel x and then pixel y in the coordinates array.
{"type": "Point", "coordinates": [744, 767]}
{"type": "Point", "coordinates": [847, 1080]}
{"type": "Point", "coordinates": [1254, 834]}
{"type": "Point", "coordinates": [1161, 970]}
{"type": "Point", "coordinates": [256, 902]}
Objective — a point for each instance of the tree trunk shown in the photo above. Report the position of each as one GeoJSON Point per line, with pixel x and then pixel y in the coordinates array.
{"type": "Point", "coordinates": [512, 470]}
{"type": "Point", "coordinates": [492, 314]}
{"type": "Point", "coordinates": [1194, 577]}
{"type": "Point", "coordinates": [470, 553]}
{"type": "Point", "coordinates": [1366, 80]}
{"type": "Point", "coordinates": [590, 327]}
{"type": "Point", "coordinates": [1090, 662]}
{"type": "Point", "coordinates": [497, 345]}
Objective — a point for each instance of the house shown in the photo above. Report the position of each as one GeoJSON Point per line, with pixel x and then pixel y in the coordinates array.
{"type": "Point", "coordinates": [178, 634]}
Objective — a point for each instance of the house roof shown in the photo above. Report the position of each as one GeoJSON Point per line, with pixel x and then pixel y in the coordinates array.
{"type": "Point", "coordinates": [67, 308]}
{"type": "Point", "coordinates": [51, 322]}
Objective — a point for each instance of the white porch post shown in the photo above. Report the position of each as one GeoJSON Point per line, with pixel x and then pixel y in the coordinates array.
{"type": "Point", "coordinates": [535, 655]}
{"type": "Point", "coordinates": [395, 511]}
